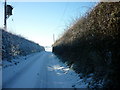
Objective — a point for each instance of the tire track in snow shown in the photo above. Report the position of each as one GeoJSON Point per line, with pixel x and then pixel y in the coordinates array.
{"type": "Point", "coordinates": [42, 80]}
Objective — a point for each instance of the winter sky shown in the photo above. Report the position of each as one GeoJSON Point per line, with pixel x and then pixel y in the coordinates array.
{"type": "Point", "coordinates": [38, 21]}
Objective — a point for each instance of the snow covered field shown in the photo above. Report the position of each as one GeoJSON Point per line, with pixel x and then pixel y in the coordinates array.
{"type": "Point", "coordinates": [40, 70]}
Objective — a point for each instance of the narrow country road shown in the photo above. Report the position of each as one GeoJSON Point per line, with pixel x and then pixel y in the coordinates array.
{"type": "Point", "coordinates": [39, 70]}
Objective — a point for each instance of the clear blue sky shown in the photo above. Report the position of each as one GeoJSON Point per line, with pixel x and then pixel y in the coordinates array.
{"type": "Point", "coordinates": [38, 21]}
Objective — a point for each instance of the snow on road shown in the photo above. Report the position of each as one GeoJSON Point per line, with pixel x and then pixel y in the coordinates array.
{"type": "Point", "coordinates": [40, 70]}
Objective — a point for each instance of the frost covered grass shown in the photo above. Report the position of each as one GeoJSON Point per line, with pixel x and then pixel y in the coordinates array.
{"type": "Point", "coordinates": [16, 45]}
{"type": "Point", "coordinates": [16, 61]}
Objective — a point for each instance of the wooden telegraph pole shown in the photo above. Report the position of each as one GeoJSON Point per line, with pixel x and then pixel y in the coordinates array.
{"type": "Point", "coordinates": [53, 38]}
{"type": "Point", "coordinates": [5, 16]}
{"type": "Point", "coordinates": [7, 13]}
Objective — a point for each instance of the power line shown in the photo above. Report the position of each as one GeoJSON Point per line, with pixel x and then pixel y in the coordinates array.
{"type": "Point", "coordinates": [63, 14]}
{"type": "Point", "coordinates": [64, 11]}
